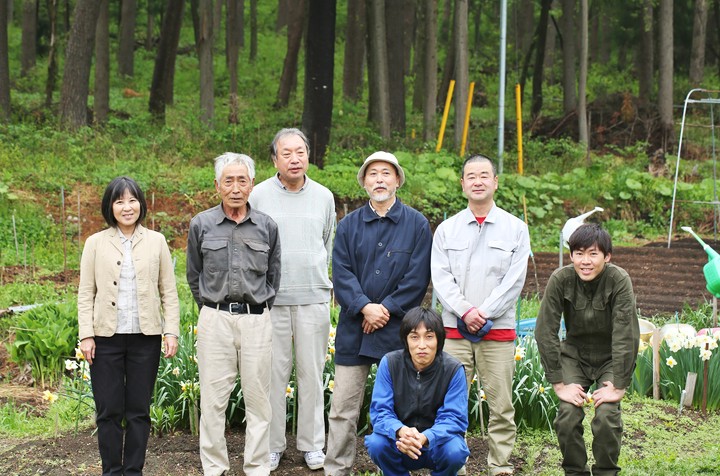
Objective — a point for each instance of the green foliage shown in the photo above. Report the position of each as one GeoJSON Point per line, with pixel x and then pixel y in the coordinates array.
{"type": "Point", "coordinates": [535, 403]}
{"type": "Point", "coordinates": [44, 337]}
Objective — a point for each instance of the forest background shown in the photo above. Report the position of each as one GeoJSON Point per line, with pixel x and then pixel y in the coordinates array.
{"type": "Point", "coordinates": [156, 89]}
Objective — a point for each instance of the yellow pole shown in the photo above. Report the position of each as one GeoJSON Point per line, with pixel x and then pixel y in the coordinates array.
{"type": "Point", "coordinates": [451, 87]}
{"type": "Point", "coordinates": [518, 113]}
{"type": "Point", "coordinates": [467, 119]}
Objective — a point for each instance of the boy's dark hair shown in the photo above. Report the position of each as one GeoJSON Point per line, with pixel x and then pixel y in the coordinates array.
{"type": "Point", "coordinates": [589, 234]}
{"type": "Point", "coordinates": [478, 158]}
{"type": "Point", "coordinates": [422, 315]}
{"type": "Point", "coordinates": [115, 190]}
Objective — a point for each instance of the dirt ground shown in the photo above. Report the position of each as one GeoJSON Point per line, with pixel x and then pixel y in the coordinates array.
{"type": "Point", "coordinates": [171, 455]}
{"type": "Point", "coordinates": [663, 278]}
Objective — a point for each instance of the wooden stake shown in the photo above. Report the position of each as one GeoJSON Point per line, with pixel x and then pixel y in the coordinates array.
{"type": "Point", "coordinates": [656, 363]}
{"type": "Point", "coordinates": [32, 258]}
{"type": "Point", "coordinates": [714, 311]}
{"type": "Point", "coordinates": [17, 249]}
{"type": "Point", "coordinates": [62, 219]}
{"type": "Point", "coordinates": [25, 256]}
{"type": "Point", "coordinates": [706, 371]}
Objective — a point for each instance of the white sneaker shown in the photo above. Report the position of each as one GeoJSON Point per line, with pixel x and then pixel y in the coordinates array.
{"type": "Point", "coordinates": [462, 471]}
{"type": "Point", "coordinates": [315, 459]}
{"type": "Point", "coordinates": [275, 460]}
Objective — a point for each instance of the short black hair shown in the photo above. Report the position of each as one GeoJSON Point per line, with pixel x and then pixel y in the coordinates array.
{"type": "Point", "coordinates": [422, 315]}
{"type": "Point", "coordinates": [117, 189]}
{"type": "Point", "coordinates": [589, 234]}
{"type": "Point", "coordinates": [478, 158]}
{"type": "Point", "coordinates": [288, 131]}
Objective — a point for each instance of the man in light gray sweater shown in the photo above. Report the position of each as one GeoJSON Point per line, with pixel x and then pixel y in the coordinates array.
{"type": "Point", "coordinates": [304, 211]}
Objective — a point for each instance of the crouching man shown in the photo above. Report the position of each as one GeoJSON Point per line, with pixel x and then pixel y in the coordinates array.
{"type": "Point", "coordinates": [419, 403]}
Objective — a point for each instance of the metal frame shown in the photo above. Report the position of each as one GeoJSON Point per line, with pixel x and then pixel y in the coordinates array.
{"type": "Point", "coordinates": [715, 202]}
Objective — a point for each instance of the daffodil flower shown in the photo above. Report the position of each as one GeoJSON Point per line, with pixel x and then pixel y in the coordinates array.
{"type": "Point", "coordinates": [670, 362]}
{"type": "Point", "coordinates": [482, 394]}
{"type": "Point", "coordinates": [705, 354]}
{"type": "Point", "coordinates": [541, 389]}
{"type": "Point", "coordinates": [71, 364]}
{"type": "Point", "coordinates": [49, 396]}
{"type": "Point", "coordinates": [78, 354]}
{"type": "Point", "coordinates": [331, 386]}
{"type": "Point", "coordinates": [289, 391]}
{"type": "Point", "coordinates": [176, 371]}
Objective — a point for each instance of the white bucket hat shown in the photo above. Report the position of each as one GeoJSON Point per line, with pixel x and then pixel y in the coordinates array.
{"type": "Point", "coordinates": [381, 157]}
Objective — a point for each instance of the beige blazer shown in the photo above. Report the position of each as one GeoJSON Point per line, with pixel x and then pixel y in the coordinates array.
{"type": "Point", "coordinates": [102, 257]}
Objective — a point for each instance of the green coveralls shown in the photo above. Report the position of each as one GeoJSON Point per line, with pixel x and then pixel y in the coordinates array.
{"type": "Point", "coordinates": [602, 338]}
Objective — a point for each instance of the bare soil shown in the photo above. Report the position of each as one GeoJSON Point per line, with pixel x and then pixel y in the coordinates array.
{"type": "Point", "coordinates": [171, 455]}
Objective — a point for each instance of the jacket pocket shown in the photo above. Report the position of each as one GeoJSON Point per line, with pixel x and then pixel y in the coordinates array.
{"type": "Point", "coordinates": [457, 255]}
{"type": "Point", "coordinates": [258, 256]}
{"type": "Point", "coordinates": [215, 255]}
{"type": "Point", "coordinates": [501, 253]}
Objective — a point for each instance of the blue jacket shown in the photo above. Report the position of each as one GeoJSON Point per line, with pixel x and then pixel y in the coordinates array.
{"type": "Point", "coordinates": [382, 260]}
{"type": "Point", "coordinates": [435, 401]}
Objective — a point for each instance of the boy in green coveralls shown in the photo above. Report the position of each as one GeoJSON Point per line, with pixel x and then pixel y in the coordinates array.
{"type": "Point", "coordinates": [597, 302]}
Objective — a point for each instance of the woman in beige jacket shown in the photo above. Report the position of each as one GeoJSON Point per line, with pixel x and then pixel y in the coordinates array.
{"type": "Point", "coordinates": [127, 306]}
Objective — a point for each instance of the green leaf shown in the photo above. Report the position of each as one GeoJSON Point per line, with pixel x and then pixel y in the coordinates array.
{"type": "Point", "coordinates": [625, 195]}
{"type": "Point", "coordinates": [633, 184]}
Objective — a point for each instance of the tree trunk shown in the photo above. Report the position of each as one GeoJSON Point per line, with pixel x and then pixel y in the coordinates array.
{"type": "Point", "coordinates": [232, 39]}
{"type": "Point", "coordinates": [550, 48]}
{"type": "Point", "coordinates": [217, 18]}
{"type": "Point", "coordinates": [569, 55]}
{"type": "Point", "coordinates": [101, 100]}
{"type": "Point", "coordinates": [394, 9]}
{"type": "Point", "coordinates": [78, 59]}
{"type": "Point", "coordinates": [4, 64]}
{"type": "Point", "coordinates": [408, 32]}
{"type": "Point", "coordinates": [537, 93]}
{"type": "Point", "coordinates": [205, 56]}
{"type": "Point", "coordinates": [525, 25]}
{"type": "Point", "coordinates": [646, 65]}
{"type": "Point", "coordinates": [355, 28]}
{"type": "Point", "coordinates": [283, 15]}
{"type": "Point", "coordinates": [52, 53]}
{"type": "Point", "coordinates": [697, 54]}
{"type": "Point", "coordinates": [665, 72]}
{"type": "Point", "coordinates": [126, 47]}
{"type": "Point", "coordinates": [418, 69]}
{"type": "Point", "coordinates": [149, 26]}
{"type": "Point", "coordinates": [462, 73]}
{"type": "Point", "coordinates": [379, 109]}
{"type": "Point", "coordinates": [253, 30]}
{"type": "Point", "coordinates": [430, 69]}
{"type": "Point", "coordinates": [163, 76]}
{"type": "Point", "coordinates": [194, 13]}
{"type": "Point", "coordinates": [445, 35]}
{"type": "Point", "coordinates": [319, 68]}
{"type": "Point", "coordinates": [582, 79]}
{"type": "Point", "coordinates": [448, 71]}
{"type": "Point", "coordinates": [295, 26]}
{"type": "Point", "coordinates": [29, 36]}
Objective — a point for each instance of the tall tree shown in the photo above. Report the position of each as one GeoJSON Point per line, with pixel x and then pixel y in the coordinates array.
{"type": "Point", "coordinates": [149, 25]}
{"type": "Point", "coordinates": [319, 69]}
{"type": "Point", "coordinates": [355, 27]}
{"type": "Point", "coordinates": [699, 37]}
{"type": "Point", "coordinates": [524, 25]}
{"type": "Point", "coordinates": [78, 59]}
{"type": "Point", "coordinates": [537, 94]}
{"type": "Point", "coordinates": [232, 38]}
{"type": "Point", "coordinates": [4, 64]}
{"type": "Point", "coordinates": [52, 53]}
{"type": "Point", "coordinates": [379, 108]}
{"type": "Point", "coordinates": [126, 48]}
{"type": "Point", "coordinates": [394, 9]}
{"type": "Point", "coordinates": [253, 30]}
{"type": "Point", "coordinates": [647, 53]}
{"type": "Point", "coordinates": [462, 72]}
{"type": "Point", "coordinates": [296, 22]}
{"type": "Point", "coordinates": [582, 79]}
{"type": "Point", "coordinates": [29, 36]}
{"type": "Point", "coordinates": [569, 56]}
{"type": "Point", "coordinates": [205, 56]}
{"type": "Point", "coordinates": [430, 68]}
{"type": "Point", "coordinates": [665, 71]}
{"type": "Point", "coordinates": [418, 69]}
{"type": "Point", "coordinates": [283, 15]}
{"type": "Point", "coordinates": [162, 82]}
{"type": "Point", "coordinates": [101, 99]}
